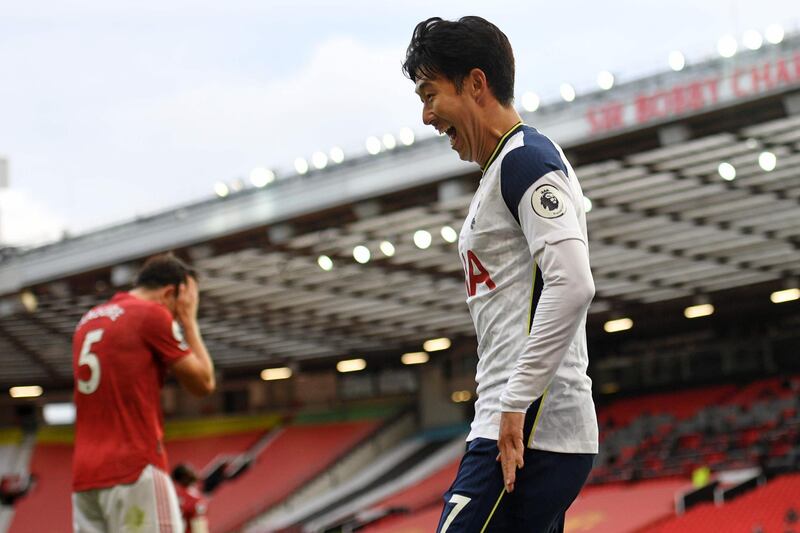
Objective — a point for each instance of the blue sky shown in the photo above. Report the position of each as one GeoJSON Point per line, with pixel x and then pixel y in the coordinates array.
{"type": "Point", "coordinates": [113, 110]}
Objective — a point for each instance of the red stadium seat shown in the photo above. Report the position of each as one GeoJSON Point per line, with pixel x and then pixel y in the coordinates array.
{"type": "Point", "coordinates": [293, 458]}
{"type": "Point", "coordinates": [766, 507]}
{"type": "Point", "coordinates": [51, 467]}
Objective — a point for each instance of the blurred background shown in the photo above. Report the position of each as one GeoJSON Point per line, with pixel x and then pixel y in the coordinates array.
{"type": "Point", "coordinates": [278, 148]}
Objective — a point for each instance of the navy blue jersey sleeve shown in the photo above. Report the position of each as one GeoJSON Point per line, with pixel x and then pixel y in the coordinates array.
{"type": "Point", "coordinates": [523, 166]}
{"type": "Point", "coordinates": [542, 193]}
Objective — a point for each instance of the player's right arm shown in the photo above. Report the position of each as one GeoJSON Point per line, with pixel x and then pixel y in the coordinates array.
{"type": "Point", "coordinates": [195, 371]}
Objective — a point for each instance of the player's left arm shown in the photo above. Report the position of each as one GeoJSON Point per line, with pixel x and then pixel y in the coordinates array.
{"type": "Point", "coordinates": [548, 216]}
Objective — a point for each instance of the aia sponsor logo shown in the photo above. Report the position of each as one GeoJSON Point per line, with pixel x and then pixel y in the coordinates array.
{"type": "Point", "coordinates": [475, 273]}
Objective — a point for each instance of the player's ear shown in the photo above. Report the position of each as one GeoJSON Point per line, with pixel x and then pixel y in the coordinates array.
{"type": "Point", "coordinates": [476, 82]}
{"type": "Point", "coordinates": [170, 291]}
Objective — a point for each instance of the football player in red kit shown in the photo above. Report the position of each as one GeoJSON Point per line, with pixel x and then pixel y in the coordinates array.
{"type": "Point", "coordinates": [122, 351]}
{"type": "Point", "coordinates": [192, 502]}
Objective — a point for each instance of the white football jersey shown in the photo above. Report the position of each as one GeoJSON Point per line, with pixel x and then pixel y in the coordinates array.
{"type": "Point", "coordinates": [531, 338]}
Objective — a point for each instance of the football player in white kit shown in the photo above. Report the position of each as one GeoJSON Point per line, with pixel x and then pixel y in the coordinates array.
{"type": "Point", "coordinates": [525, 254]}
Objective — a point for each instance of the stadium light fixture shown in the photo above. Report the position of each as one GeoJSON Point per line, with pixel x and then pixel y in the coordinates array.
{"type": "Point", "coordinates": [261, 177]}
{"type": "Point", "coordinates": [361, 254]}
{"type": "Point", "coordinates": [774, 33]}
{"type": "Point", "coordinates": [727, 171]}
{"type": "Point", "coordinates": [221, 189]}
{"type": "Point", "coordinates": [389, 141]}
{"type": "Point", "coordinates": [29, 301]}
{"type": "Point", "coordinates": [435, 345]}
{"type": "Point", "coordinates": [273, 374]}
{"type": "Point", "coordinates": [605, 80]}
{"type": "Point", "coordinates": [325, 263]}
{"type": "Point", "coordinates": [786, 295]}
{"type": "Point", "coordinates": [406, 136]}
{"type": "Point", "coordinates": [567, 92]}
{"type": "Point", "coordinates": [461, 396]}
{"type": "Point", "coordinates": [676, 60]}
{"type": "Point", "coordinates": [449, 234]}
{"type": "Point", "coordinates": [619, 324]}
{"type": "Point", "coordinates": [767, 161]}
{"type": "Point", "coordinates": [387, 248]}
{"type": "Point", "coordinates": [237, 185]}
{"type": "Point", "coordinates": [61, 413]}
{"type": "Point", "coordinates": [530, 102]}
{"type": "Point", "coordinates": [415, 358]}
{"type": "Point", "coordinates": [319, 160]}
{"type": "Point", "coordinates": [727, 46]}
{"type": "Point", "coordinates": [699, 310]}
{"type": "Point", "coordinates": [26, 391]}
{"type": "Point", "coordinates": [752, 40]}
{"type": "Point", "coordinates": [351, 365]}
{"type": "Point", "coordinates": [337, 155]}
{"type": "Point", "coordinates": [373, 145]}
{"type": "Point", "coordinates": [609, 388]}
{"type": "Point", "coordinates": [587, 204]}
{"type": "Point", "coordinates": [422, 239]}
{"type": "Point", "coordinates": [301, 165]}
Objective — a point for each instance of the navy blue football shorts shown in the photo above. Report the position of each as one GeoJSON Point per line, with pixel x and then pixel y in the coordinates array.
{"type": "Point", "coordinates": [543, 490]}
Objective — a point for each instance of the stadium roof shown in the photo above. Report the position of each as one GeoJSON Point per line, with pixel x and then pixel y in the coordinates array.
{"type": "Point", "coordinates": [693, 177]}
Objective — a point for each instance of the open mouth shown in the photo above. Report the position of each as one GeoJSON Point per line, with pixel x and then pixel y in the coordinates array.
{"type": "Point", "coordinates": [451, 132]}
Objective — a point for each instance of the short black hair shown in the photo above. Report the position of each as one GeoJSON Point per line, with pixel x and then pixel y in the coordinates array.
{"type": "Point", "coordinates": [453, 48]}
{"type": "Point", "coordinates": [184, 474]}
{"type": "Point", "coordinates": [162, 270]}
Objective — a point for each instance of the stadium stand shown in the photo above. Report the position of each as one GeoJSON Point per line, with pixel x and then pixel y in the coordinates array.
{"type": "Point", "coordinates": [422, 494]}
{"type": "Point", "coordinates": [407, 475]}
{"type": "Point", "coordinates": [413, 505]}
{"type": "Point", "coordinates": [14, 459]}
{"type": "Point", "coordinates": [51, 464]}
{"type": "Point", "coordinates": [651, 445]}
{"type": "Point", "coordinates": [272, 476]}
{"type": "Point", "coordinates": [722, 427]}
{"type": "Point", "coordinates": [607, 508]}
{"type": "Point", "coordinates": [363, 466]}
{"type": "Point", "coordinates": [772, 508]}
{"type": "Point", "coordinates": [659, 438]}
{"type": "Point", "coordinates": [279, 470]}
{"type": "Point", "coordinates": [48, 506]}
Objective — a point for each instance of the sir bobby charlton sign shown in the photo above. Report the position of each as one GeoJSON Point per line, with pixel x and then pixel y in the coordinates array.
{"type": "Point", "coordinates": [729, 84]}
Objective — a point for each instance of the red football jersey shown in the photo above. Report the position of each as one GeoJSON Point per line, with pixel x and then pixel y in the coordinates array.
{"type": "Point", "coordinates": [193, 504]}
{"type": "Point", "coordinates": [120, 354]}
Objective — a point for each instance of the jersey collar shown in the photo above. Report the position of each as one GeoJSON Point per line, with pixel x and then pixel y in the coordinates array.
{"type": "Point", "coordinates": [500, 144]}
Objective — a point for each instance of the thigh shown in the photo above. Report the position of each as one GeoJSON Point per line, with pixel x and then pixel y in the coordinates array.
{"type": "Point", "coordinates": [473, 502]}
{"type": "Point", "coordinates": [148, 505]}
{"type": "Point", "coordinates": [87, 516]}
{"type": "Point", "coordinates": [546, 486]}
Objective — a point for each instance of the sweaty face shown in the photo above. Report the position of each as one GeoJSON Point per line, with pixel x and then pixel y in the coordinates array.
{"type": "Point", "coordinates": [448, 111]}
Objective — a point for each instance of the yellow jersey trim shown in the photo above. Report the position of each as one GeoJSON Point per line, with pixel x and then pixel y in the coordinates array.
{"type": "Point", "coordinates": [488, 518]}
{"type": "Point", "coordinates": [536, 420]}
{"type": "Point", "coordinates": [500, 145]}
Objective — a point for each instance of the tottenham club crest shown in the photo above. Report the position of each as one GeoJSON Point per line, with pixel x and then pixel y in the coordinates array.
{"type": "Point", "coordinates": [548, 202]}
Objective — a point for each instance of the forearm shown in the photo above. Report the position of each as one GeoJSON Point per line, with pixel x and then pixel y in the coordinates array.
{"type": "Point", "coordinates": [566, 295]}
{"type": "Point", "coordinates": [194, 339]}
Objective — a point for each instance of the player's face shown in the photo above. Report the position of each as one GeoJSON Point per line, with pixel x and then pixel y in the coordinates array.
{"type": "Point", "coordinates": [450, 112]}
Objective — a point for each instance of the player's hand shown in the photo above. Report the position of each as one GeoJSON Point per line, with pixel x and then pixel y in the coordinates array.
{"type": "Point", "coordinates": [188, 301]}
{"type": "Point", "coordinates": [512, 449]}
